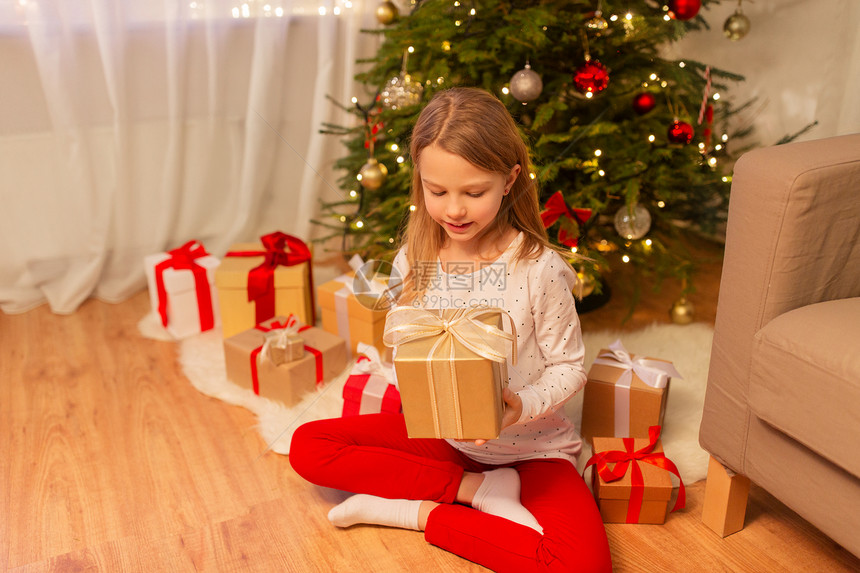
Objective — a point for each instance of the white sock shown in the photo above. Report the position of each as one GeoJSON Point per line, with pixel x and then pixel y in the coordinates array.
{"type": "Point", "coordinates": [499, 494]}
{"type": "Point", "coordinates": [363, 508]}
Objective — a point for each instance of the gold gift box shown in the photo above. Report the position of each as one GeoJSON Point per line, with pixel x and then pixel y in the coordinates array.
{"type": "Point", "coordinates": [472, 410]}
{"type": "Point", "coordinates": [292, 290]}
{"type": "Point", "coordinates": [365, 314]}
{"type": "Point", "coordinates": [647, 404]}
{"type": "Point", "coordinates": [290, 381]}
{"type": "Point", "coordinates": [293, 349]}
{"type": "Point", "coordinates": [613, 498]}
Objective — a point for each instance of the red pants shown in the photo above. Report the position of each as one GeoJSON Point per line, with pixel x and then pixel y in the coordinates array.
{"type": "Point", "coordinates": [371, 454]}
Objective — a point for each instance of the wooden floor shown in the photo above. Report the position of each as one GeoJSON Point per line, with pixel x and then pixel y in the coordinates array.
{"type": "Point", "coordinates": [111, 461]}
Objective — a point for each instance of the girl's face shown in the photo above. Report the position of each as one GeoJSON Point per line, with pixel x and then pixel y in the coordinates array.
{"type": "Point", "coordinates": [462, 198]}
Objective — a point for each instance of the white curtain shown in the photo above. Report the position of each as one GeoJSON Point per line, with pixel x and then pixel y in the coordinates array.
{"type": "Point", "coordinates": [128, 128]}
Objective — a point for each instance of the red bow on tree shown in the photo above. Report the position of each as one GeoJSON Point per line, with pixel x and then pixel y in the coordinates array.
{"type": "Point", "coordinates": [568, 233]}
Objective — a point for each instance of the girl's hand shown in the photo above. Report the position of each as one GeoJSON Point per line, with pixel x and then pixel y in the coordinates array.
{"type": "Point", "coordinates": [513, 411]}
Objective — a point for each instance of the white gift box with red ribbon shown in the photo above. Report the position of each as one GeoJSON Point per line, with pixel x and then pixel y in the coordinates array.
{"type": "Point", "coordinates": [176, 299]}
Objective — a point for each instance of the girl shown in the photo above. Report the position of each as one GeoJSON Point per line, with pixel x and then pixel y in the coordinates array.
{"type": "Point", "coordinates": [515, 503]}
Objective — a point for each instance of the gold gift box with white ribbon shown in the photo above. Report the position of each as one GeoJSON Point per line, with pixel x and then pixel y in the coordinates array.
{"type": "Point", "coordinates": [451, 369]}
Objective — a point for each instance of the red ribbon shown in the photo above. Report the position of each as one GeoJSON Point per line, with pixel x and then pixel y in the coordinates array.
{"type": "Point", "coordinates": [184, 258]}
{"type": "Point", "coordinates": [554, 208]}
{"type": "Point", "coordinates": [623, 459]}
{"type": "Point", "coordinates": [280, 249]}
{"type": "Point", "coordinates": [255, 379]}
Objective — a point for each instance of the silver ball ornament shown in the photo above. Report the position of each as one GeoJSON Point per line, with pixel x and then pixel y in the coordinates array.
{"type": "Point", "coordinates": [737, 26]}
{"type": "Point", "coordinates": [633, 223]}
{"type": "Point", "coordinates": [526, 84]}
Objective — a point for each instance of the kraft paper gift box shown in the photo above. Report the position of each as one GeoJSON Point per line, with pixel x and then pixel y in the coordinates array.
{"type": "Point", "coordinates": [257, 281]}
{"type": "Point", "coordinates": [182, 289]}
{"type": "Point", "coordinates": [451, 370]}
{"type": "Point", "coordinates": [625, 394]}
{"type": "Point", "coordinates": [323, 358]}
{"type": "Point", "coordinates": [370, 388]}
{"type": "Point", "coordinates": [631, 479]}
{"type": "Point", "coordinates": [355, 314]}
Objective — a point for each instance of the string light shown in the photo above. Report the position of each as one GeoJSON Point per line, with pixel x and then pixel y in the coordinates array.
{"type": "Point", "coordinates": [716, 96]}
{"type": "Point", "coordinates": [614, 18]}
{"type": "Point", "coordinates": [573, 249]}
{"type": "Point", "coordinates": [648, 242]}
{"type": "Point", "coordinates": [682, 65]}
{"type": "Point", "coordinates": [601, 172]}
{"type": "Point", "coordinates": [505, 90]}
{"type": "Point", "coordinates": [342, 219]}
{"type": "Point", "coordinates": [354, 99]}
{"type": "Point", "coordinates": [411, 49]}
{"type": "Point", "coordinates": [652, 77]}
{"type": "Point", "coordinates": [353, 194]}
{"type": "Point", "coordinates": [358, 177]}
{"type": "Point", "coordinates": [393, 147]}
{"type": "Point", "coordinates": [359, 224]}
{"type": "Point", "coordinates": [661, 204]}
{"type": "Point", "coordinates": [597, 153]}
{"type": "Point", "coordinates": [725, 137]}
{"type": "Point", "coordinates": [391, 239]}
{"type": "Point", "coordinates": [412, 207]}
{"type": "Point", "coordinates": [400, 159]}
{"type": "Point", "coordinates": [625, 259]}
{"type": "Point", "coordinates": [651, 138]}
{"type": "Point", "coordinates": [532, 174]}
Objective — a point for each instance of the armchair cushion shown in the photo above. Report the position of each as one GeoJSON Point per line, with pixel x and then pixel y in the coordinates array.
{"type": "Point", "coordinates": [805, 378]}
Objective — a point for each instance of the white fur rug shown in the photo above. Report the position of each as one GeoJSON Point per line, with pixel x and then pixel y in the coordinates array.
{"type": "Point", "coordinates": [688, 347]}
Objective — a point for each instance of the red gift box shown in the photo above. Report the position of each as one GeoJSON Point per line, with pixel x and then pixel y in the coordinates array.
{"type": "Point", "coordinates": [370, 387]}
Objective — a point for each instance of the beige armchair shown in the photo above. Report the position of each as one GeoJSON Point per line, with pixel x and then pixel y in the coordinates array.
{"type": "Point", "coordinates": [782, 406]}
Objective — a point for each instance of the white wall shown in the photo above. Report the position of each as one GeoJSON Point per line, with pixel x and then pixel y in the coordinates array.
{"type": "Point", "coordinates": [801, 60]}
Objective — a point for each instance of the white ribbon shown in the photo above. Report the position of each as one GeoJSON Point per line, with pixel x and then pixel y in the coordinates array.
{"type": "Point", "coordinates": [374, 363]}
{"type": "Point", "coordinates": [277, 337]}
{"type": "Point", "coordinates": [381, 376]}
{"type": "Point", "coordinates": [407, 324]}
{"type": "Point", "coordinates": [373, 287]}
{"type": "Point", "coordinates": [654, 373]}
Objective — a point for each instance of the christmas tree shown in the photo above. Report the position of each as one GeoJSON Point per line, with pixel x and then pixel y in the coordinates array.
{"type": "Point", "coordinates": [627, 147]}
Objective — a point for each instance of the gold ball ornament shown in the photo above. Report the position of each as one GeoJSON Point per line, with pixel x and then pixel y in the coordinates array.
{"type": "Point", "coordinates": [373, 174]}
{"type": "Point", "coordinates": [682, 311]}
{"type": "Point", "coordinates": [386, 13]}
{"type": "Point", "coordinates": [736, 26]}
{"type": "Point", "coordinates": [585, 284]}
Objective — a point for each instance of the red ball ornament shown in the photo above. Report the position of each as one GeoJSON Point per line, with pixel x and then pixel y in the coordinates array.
{"type": "Point", "coordinates": [685, 9]}
{"type": "Point", "coordinates": [591, 77]}
{"type": "Point", "coordinates": [680, 132]}
{"type": "Point", "coordinates": [644, 102]}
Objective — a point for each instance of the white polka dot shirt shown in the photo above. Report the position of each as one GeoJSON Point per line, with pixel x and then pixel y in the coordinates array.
{"type": "Point", "coordinates": [537, 294]}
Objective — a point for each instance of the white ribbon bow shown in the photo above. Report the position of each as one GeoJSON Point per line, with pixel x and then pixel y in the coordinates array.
{"type": "Point", "coordinates": [654, 373]}
{"type": "Point", "coordinates": [407, 324]}
{"type": "Point", "coordinates": [374, 363]}
{"type": "Point", "coordinates": [277, 337]}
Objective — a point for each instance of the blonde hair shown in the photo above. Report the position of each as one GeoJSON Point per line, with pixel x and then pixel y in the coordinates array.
{"type": "Point", "coordinates": [475, 125]}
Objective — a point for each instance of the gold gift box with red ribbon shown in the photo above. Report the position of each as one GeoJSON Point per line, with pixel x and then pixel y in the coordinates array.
{"type": "Point", "coordinates": [257, 281]}
{"type": "Point", "coordinates": [631, 479]}
{"type": "Point", "coordinates": [625, 394]}
{"type": "Point", "coordinates": [355, 317]}
{"type": "Point", "coordinates": [324, 357]}
{"type": "Point", "coordinates": [451, 370]}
